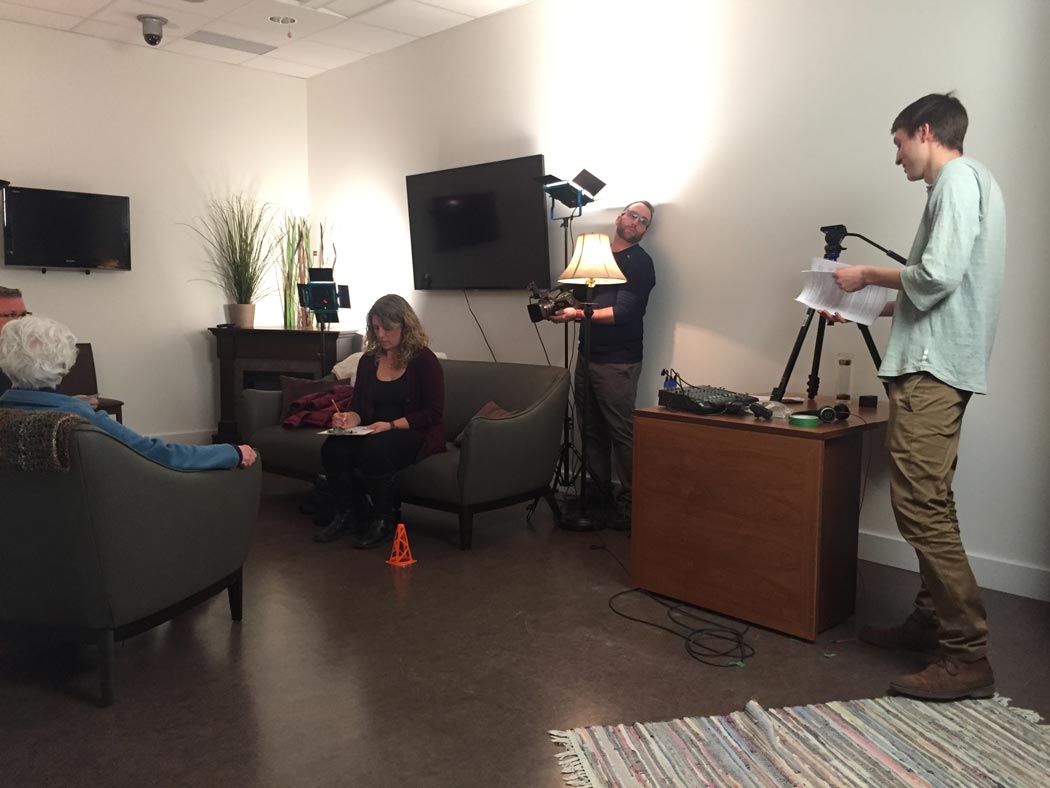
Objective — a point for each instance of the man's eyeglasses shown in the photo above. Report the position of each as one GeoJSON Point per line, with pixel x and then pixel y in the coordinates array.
{"type": "Point", "coordinates": [637, 217]}
{"type": "Point", "coordinates": [15, 315]}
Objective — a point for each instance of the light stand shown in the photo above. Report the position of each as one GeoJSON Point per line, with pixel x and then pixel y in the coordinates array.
{"type": "Point", "coordinates": [322, 296]}
{"type": "Point", "coordinates": [573, 194]}
{"type": "Point", "coordinates": [833, 235]}
{"type": "Point", "coordinates": [592, 264]}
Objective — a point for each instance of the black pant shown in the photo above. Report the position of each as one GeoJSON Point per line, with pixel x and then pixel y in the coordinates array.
{"type": "Point", "coordinates": [356, 465]}
{"type": "Point", "coordinates": [610, 420]}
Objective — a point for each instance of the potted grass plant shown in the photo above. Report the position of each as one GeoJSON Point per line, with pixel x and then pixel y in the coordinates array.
{"type": "Point", "coordinates": [236, 233]}
{"type": "Point", "coordinates": [295, 252]}
{"type": "Point", "coordinates": [296, 258]}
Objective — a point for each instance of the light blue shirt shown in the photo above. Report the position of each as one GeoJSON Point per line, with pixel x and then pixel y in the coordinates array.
{"type": "Point", "coordinates": [948, 306]}
{"type": "Point", "coordinates": [179, 456]}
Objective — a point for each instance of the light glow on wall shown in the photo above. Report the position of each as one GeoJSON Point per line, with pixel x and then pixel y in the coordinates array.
{"type": "Point", "coordinates": [614, 102]}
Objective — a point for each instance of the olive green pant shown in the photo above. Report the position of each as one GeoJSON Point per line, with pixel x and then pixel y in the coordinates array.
{"type": "Point", "coordinates": [923, 439]}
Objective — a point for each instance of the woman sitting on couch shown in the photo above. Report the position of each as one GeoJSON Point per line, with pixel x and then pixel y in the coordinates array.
{"type": "Point", "coordinates": [399, 395]}
{"type": "Point", "coordinates": [36, 353]}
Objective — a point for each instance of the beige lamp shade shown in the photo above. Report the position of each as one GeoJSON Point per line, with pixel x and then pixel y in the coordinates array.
{"type": "Point", "coordinates": [592, 263]}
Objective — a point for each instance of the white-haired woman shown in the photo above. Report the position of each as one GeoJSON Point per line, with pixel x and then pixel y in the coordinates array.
{"type": "Point", "coordinates": [37, 352]}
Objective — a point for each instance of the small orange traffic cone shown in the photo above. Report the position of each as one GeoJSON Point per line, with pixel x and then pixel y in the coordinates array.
{"type": "Point", "coordinates": [400, 553]}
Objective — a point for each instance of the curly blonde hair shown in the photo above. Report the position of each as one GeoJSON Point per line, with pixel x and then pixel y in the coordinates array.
{"type": "Point", "coordinates": [392, 310]}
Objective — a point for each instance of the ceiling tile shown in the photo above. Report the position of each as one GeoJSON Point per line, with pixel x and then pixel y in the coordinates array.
{"type": "Point", "coordinates": [81, 8]}
{"type": "Point", "coordinates": [361, 38]}
{"type": "Point", "coordinates": [475, 7]}
{"type": "Point", "coordinates": [351, 7]}
{"type": "Point", "coordinates": [89, 27]}
{"type": "Point", "coordinates": [310, 53]}
{"type": "Point", "coordinates": [257, 13]}
{"type": "Point", "coordinates": [270, 63]}
{"type": "Point", "coordinates": [412, 18]}
{"type": "Point", "coordinates": [221, 54]}
{"type": "Point", "coordinates": [209, 8]}
{"type": "Point", "coordinates": [34, 16]}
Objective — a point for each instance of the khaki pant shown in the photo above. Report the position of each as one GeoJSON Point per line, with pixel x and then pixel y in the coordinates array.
{"type": "Point", "coordinates": [925, 423]}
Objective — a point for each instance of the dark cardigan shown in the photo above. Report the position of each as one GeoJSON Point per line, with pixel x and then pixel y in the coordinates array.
{"type": "Point", "coordinates": [425, 406]}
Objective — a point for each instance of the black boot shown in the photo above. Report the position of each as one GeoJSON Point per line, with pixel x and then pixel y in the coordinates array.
{"type": "Point", "coordinates": [352, 514]}
{"type": "Point", "coordinates": [381, 527]}
{"type": "Point", "coordinates": [379, 530]}
{"type": "Point", "coordinates": [339, 526]}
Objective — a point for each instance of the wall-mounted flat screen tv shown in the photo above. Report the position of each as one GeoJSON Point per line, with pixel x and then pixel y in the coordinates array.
{"type": "Point", "coordinates": [52, 229]}
{"type": "Point", "coordinates": [482, 226]}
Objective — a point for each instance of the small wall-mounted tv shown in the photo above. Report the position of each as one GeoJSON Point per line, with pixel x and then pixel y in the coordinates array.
{"type": "Point", "coordinates": [482, 226]}
{"type": "Point", "coordinates": [66, 230]}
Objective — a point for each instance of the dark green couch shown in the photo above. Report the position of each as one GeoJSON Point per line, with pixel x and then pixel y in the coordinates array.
{"type": "Point", "coordinates": [500, 461]}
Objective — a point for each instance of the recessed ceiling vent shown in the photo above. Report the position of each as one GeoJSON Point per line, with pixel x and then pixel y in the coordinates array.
{"type": "Point", "coordinates": [229, 42]}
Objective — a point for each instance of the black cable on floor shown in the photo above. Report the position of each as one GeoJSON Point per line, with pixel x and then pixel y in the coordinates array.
{"type": "Point", "coordinates": [728, 649]}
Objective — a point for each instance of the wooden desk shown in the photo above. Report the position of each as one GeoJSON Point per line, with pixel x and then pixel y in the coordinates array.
{"type": "Point", "coordinates": [754, 519]}
{"type": "Point", "coordinates": [249, 356]}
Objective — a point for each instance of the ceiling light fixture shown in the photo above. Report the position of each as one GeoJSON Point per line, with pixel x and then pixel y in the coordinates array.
{"type": "Point", "coordinates": [283, 20]}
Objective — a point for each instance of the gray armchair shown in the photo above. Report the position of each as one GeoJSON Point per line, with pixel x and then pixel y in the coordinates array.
{"type": "Point", "coordinates": [119, 544]}
{"type": "Point", "coordinates": [500, 461]}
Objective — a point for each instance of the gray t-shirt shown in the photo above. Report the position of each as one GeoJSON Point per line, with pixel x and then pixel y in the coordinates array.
{"type": "Point", "coordinates": [948, 305]}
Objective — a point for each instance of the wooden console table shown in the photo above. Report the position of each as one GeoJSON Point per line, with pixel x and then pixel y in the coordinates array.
{"type": "Point", "coordinates": [754, 519]}
{"type": "Point", "coordinates": [249, 356]}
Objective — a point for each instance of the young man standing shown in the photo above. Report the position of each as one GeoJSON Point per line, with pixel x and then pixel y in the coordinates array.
{"type": "Point", "coordinates": [944, 322]}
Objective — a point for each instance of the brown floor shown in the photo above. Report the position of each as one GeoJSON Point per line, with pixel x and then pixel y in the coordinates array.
{"type": "Point", "coordinates": [347, 672]}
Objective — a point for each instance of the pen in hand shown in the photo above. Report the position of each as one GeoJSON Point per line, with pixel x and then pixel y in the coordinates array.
{"type": "Point", "coordinates": [336, 406]}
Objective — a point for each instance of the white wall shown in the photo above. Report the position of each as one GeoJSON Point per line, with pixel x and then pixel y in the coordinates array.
{"type": "Point", "coordinates": [82, 114]}
{"type": "Point", "coordinates": [749, 124]}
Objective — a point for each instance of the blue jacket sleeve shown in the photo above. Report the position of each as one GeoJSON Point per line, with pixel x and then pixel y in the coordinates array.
{"type": "Point", "coordinates": [178, 456]}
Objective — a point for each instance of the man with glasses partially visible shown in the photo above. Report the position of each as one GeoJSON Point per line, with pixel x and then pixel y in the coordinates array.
{"type": "Point", "coordinates": [616, 358]}
{"type": "Point", "coordinates": [12, 307]}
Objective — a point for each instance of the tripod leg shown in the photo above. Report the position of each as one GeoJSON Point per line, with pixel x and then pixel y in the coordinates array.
{"type": "Point", "coordinates": [778, 392]}
{"type": "Point", "coordinates": [813, 386]}
{"type": "Point", "coordinates": [872, 350]}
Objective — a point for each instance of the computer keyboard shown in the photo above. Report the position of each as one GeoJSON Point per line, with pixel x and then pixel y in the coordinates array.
{"type": "Point", "coordinates": [710, 400]}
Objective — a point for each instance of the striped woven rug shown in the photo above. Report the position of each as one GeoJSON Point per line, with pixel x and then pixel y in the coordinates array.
{"type": "Point", "coordinates": [862, 743]}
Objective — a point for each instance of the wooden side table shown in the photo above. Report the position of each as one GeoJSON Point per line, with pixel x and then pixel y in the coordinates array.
{"type": "Point", "coordinates": [754, 519]}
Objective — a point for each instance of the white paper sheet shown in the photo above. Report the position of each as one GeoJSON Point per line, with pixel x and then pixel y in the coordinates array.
{"type": "Point", "coordinates": [822, 293]}
{"type": "Point", "coordinates": [351, 431]}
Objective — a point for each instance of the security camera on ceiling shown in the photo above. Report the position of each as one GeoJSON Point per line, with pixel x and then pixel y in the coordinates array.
{"type": "Point", "coordinates": [152, 28]}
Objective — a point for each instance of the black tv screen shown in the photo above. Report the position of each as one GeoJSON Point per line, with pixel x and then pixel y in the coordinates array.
{"type": "Point", "coordinates": [483, 226]}
{"type": "Point", "coordinates": [53, 229]}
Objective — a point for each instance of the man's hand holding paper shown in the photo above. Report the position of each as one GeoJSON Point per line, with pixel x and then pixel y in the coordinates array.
{"type": "Point", "coordinates": [825, 290]}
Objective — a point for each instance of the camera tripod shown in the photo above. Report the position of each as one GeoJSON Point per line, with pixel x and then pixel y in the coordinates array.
{"type": "Point", "coordinates": [833, 235]}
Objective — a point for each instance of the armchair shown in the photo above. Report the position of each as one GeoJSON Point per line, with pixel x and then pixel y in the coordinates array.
{"type": "Point", "coordinates": [119, 544]}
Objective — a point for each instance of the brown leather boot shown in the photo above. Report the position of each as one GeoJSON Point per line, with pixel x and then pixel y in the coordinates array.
{"type": "Point", "coordinates": [909, 636]}
{"type": "Point", "coordinates": [948, 679]}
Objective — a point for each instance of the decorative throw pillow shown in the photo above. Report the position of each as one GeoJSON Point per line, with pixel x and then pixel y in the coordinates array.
{"type": "Point", "coordinates": [490, 410]}
{"type": "Point", "coordinates": [346, 370]}
{"type": "Point", "coordinates": [292, 388]}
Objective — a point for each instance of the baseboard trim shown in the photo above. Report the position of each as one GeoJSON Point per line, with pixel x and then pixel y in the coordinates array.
{"type": "Point", "coordinates": [993, 573]}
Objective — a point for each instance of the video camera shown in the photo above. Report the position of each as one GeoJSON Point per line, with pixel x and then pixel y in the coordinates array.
{"type": "Point", "coordinates": [545, 303]}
